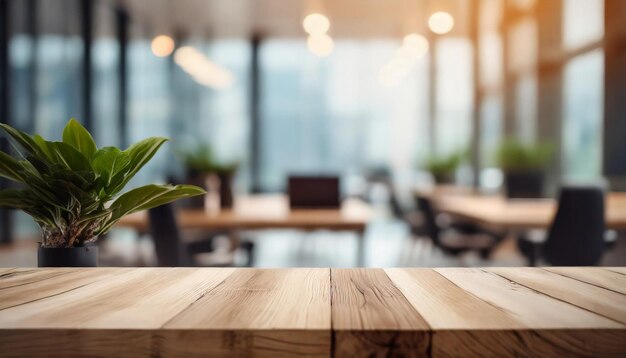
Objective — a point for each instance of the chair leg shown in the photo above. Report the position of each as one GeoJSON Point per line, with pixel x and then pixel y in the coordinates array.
{"type": "Point", "coordinates": [534, 255]}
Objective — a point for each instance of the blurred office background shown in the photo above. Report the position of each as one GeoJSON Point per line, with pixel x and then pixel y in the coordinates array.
{"type": "Point", "coordinates": [350, 102]}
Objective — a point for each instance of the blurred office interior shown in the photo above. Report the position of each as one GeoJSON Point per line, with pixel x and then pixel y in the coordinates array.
{"type": "Point", "coordinates": [379, 94]}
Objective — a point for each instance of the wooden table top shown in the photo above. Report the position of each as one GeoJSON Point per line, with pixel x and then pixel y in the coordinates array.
{"type": "Point", "coordinates": [266, 212]}
{"type": "Point", "coordinates": [313, 312]}
{"type": "Point", "coordinates": [497, 212]}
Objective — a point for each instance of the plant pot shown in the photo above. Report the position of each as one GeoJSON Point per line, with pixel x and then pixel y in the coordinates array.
{"type": "Point", "coordinates": [443, 178]}
{"type": "Point", "coordinates": [521, 185]}
{"type": "Point", "coordinates": [197, 179]}
{"type": "Point", "coordinates": [84, 256]}
{"type": "Point", "coordinates": [226, 190]}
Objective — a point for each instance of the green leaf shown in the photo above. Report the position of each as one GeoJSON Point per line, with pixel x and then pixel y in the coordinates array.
{"type": "Point", "coordinates": [23, 139]}
{"type": "Point", "coordinates": [109, 162]}
{"type": "Point", "coordinates": [10, 168]}
{"type": "Point", "coordinates": [139, 154]}
{"type": "Point", "coordinates": [147, 197]}
{"type": "Point", "coordinates": [66, 155]}
{"type": "Point", "coordinates": [15, 199]}
{"type": "Point", "coordinates": [77, 136]}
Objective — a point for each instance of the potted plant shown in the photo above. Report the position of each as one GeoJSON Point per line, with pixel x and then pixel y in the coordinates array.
{"type": "Point", "coordinates": [523, 166]}
{"type": "Point", "coordinates": [443, 167]}
{"type": "Point", "coordinates": [197, 167]}
{"type": "Point", "coordinates": [72, 189]}
{"type": "Point", "coordinates": [201, 163]}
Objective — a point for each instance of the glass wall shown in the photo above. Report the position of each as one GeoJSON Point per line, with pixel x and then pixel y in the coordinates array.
{"type": "Point", "coordinates": [454, 95]}
{"type": "Point", "coordinates": [583, 89]}
{"type": "Point", "coordinates": [59, 58]}
{"type": "Point", "coordinates": [105, 67]}
{"type": "Point", "coordinates": [332, 115]}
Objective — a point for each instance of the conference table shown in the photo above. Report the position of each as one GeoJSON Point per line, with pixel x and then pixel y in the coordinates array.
{"type": "Point", "coordinates": [313, 312]}
{"type": "Point", "coordinates": [269, 211]}
{"type": "Point", "coordinates": [499, 213]}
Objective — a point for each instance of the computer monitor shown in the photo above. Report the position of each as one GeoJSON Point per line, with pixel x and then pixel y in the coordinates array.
{"type": "Point", "coordinates": [313, 192]}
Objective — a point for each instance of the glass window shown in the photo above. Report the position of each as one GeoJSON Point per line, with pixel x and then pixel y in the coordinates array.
{"type": "Point", "coordinates": [526, 108]}
{"type": "Point", "coordinates": [582, 120]}
{"type": "Point", "coordinates": [332, 114]}
{"type": "Point", "coordinates": [583, 22]}
{"type": "Point", "coordinates": [454, 94]}
{"type": "Point", "coordinates": [149, 107]}
{"type": "Point", "coordinates": [491, 113]}
{"type": "Point", "coordinates": [105, 77]}
{"type": "Point", "coordinates": [59, 57]}
{"type": "Point", "coordinates": [224, 113]}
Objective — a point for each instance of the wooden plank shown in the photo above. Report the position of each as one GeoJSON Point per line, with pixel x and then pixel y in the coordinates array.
{"type": "Point", "coordinates": [136, 299]}
{"type": "Point", "coordinates": [27, 285]}
{"type": "Point", "coordinates": [601, 277]}
{"type": "Point", "coordinates": [476, 313]}
{"type": "Point", "coordinates": [371, 317]}
{"type": "Point", "coordinates": [606, 303]}
{"type": "Point", "coordinates": [621, 270]}
{"type": "Point", "coordinates": [21, 276]}
{"type": "Point", "coordinates": [273, 312]}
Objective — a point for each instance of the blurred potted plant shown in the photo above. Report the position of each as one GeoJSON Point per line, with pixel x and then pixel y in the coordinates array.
{"type": "Point", "coordinates": [197, 167]}
{"type": "Point", "coordinates": [523, 166]}
{"type": "Point", "coordinates": [200, 164]}
{"type": "Point", "coordinates": [71, 189]}
{"type": "Point", "coordinates": [443, 167]}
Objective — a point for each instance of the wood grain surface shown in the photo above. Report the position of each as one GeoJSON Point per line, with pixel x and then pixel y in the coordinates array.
{"type": "Point", "coordinates": [371, 317]}
{"type": "Point", "coordinates": [397, 312]}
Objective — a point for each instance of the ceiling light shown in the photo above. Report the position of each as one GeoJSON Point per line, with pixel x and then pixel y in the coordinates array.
{"type": "Point", "coordinates": [201, 69]}
{"type": "Point", "coordinates": [441, 22]}
{"type": "Point", "coordinates": [316, 24]}
{"type": "Point", "coordinates": [162, 46]}
{"type": "Point", "coordinates": [414, 46]}
{"type": "Point", "coordinates": [321, 45]}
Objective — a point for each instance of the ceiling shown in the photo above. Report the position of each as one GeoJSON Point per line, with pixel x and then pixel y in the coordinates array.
{"type": "Point", "coordinates": [283, 18]}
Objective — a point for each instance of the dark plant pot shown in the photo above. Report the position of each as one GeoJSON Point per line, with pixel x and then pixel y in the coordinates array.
{"type": "Point", "coordinates": [443, 178]}
{"type": "Point", "coordinates": [84, 256]}
{"type": "Point", "coordinates": [226, 190]}
{"type": "Point", "coordinates": [521, 185]}
{"type": "Point", "coordinates": [197, 179]}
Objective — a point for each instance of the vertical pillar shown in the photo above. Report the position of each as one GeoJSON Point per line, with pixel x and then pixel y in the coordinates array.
{"type": "Point", "coordinates": [6, 217]}
{"type": "Point", "coordinates": [550, 82]}
{"type": "Point", "coordinates": [432, 95]}
{"type": "Point", "coordinates": [508, 81]}
{"type": "Point", "coordinates": [32, 15]}
{"type": "Point", "coordinates": [614, 143]}
{"type": "Point", "coordinates": [86, 16]}
{"type": "Point", "coordinates": [255, 116]}
{"type": "Point", "coordinates": [121, 19]}
{"type": "Point", "coordinates": [475, 144]}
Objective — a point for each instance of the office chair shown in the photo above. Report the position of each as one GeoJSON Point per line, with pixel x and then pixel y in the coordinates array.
{"type": "Point", "coordinates": [168, 244]}
{"type": "Point", "coordinates": [167, 239]}
{"type": "Point", "coordinates": [577, 234]}
{"type": "Point", "coordinates": [455, 240]}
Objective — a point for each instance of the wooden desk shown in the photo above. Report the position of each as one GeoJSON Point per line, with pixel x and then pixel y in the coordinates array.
{"type": "Point", "coordinates": [270, 212]}
{"type": "Point", "coordinates": [499, 213]}
{"type": "Point", "coordinates": [140, 312]}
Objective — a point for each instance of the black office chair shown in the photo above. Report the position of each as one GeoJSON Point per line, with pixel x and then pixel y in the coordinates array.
{"type": "Point", "coordinates": [455, 240]}
{"type": "Point", "coordinates": [577, 234]}
{"type": "Point", "coordinates": [166, 236]}
{"type": "Point", "coordinates": [168, 244]}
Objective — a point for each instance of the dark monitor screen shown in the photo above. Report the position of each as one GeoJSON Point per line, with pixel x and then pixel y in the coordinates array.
{"type": "Point", "coordinates": [312, 192]}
